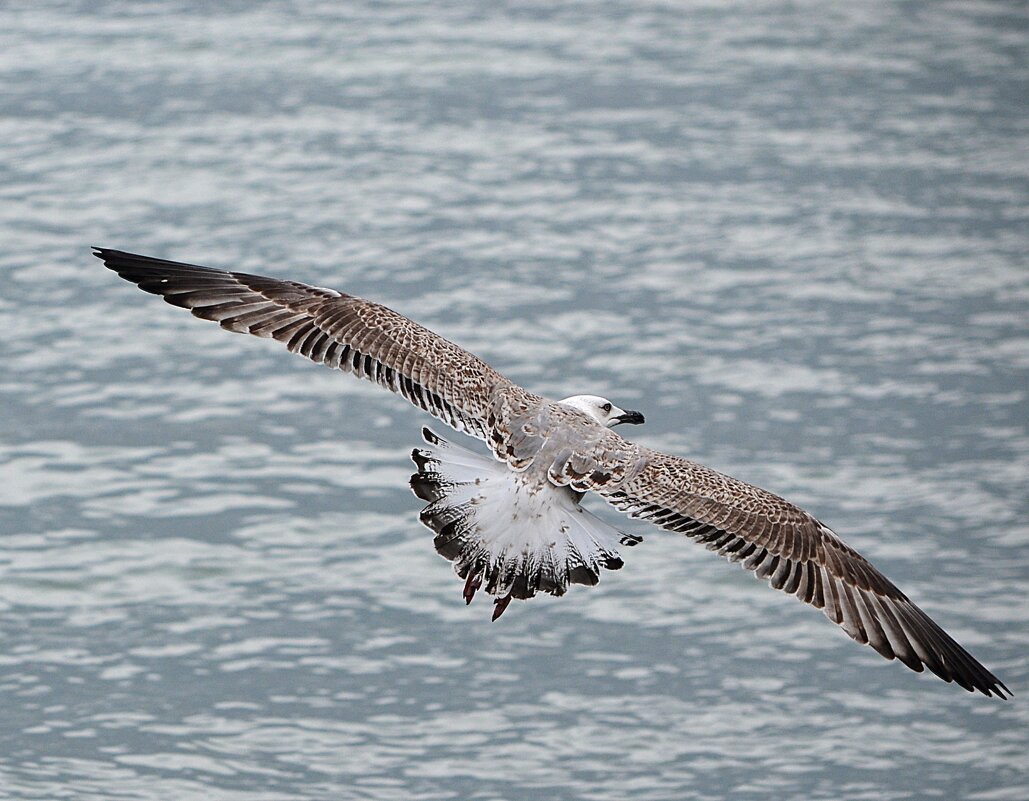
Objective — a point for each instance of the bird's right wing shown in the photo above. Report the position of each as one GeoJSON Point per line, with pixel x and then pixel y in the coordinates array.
{"type": "Point", "coordinates": [338, 330]}
{"type": "Point", "coordinates": [797, 554]}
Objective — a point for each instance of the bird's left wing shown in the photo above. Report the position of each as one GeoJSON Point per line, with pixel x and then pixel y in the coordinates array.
{"type": "Point", "coordinates": [335, 329]}
{"type": "Point", "coordinates": [796, 554]}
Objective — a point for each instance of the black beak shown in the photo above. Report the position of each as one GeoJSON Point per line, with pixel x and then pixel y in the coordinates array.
{"type": "Point", "coordinates": [636, 418]}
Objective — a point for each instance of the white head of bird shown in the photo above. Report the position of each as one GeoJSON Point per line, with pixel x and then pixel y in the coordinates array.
{"type": "Point", "coordinates": [602, 410]}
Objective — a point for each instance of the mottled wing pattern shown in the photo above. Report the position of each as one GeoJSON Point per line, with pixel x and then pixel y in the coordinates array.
{"type": "Point", "coordinates": [329, 327]}
{"type": "Point", "coordinates": [517, 423]}
{"type": "Point", "coordinates": [799, 555]}
{"type": "Point", "coordinates": [566, 445]}
{"type": "Point", "coordinates": [588, 457]}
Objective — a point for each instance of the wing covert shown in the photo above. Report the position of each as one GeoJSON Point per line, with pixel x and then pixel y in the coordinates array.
{"type": "Point", "coordinates": [795, 553]}
{"type": "Point", "coordinates": [331, 328]}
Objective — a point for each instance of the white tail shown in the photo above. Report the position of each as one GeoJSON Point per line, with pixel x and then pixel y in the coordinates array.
{"type": "Point", "coordinates": [506, 532]}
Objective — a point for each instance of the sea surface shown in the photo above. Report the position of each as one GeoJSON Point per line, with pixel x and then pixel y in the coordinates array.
{"type": "Point", "coordinates": [795, 235]}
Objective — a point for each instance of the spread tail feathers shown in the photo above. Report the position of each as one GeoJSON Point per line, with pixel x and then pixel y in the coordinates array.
{"type": "Point", "coordinates": [505, 533]}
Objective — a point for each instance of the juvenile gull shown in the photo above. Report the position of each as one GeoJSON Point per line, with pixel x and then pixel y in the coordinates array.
{"type": "Point", "coordinates": [512, 523]}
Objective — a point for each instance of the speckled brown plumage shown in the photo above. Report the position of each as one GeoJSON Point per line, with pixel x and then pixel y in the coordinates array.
{"type": "Point", "coordinates": [338, 330]}
{"type": "Point", "coordinates": [555, 448]}
{"type": "Point", "coordinates": [797, 554]}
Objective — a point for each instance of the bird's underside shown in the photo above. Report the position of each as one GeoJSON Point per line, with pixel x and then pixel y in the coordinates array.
{"type": "Point", "coordinates": [512, 524]}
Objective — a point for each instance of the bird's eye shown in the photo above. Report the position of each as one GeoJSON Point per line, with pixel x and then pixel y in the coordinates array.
{"type": "Point", "coordinates": [606, 408]}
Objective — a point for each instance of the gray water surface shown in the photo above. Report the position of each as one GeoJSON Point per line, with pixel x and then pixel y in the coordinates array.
{"type": "Point", "coordinates": [795, 236]}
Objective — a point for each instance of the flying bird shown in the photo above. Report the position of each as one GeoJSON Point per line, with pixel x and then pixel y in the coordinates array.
{"type": "Point", "coordinates": [511, 522]}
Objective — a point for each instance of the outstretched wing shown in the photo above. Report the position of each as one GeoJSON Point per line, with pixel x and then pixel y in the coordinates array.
{"type": "Point", "coordinates": [332, 328]}
{"type": "Point", "coordinates": [798, 555]}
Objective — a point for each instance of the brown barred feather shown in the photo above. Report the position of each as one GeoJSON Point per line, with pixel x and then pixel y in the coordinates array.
{"type": "Point", "coordinates": [331, 328]}
{"type": "Point", "coordinates": [797, 554]}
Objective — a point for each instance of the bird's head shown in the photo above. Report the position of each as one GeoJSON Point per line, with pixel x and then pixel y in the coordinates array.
{"type": "Point", "coordinates": [602, 410]}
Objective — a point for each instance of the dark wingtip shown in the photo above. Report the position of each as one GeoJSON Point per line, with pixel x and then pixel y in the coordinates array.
{"type": "Point", "coordinates": [999, 689]}
{"type": "Point", "coordinates": [133, 265]}
{"type": "Point", "coordinates": [120, 260]}
{"type": "Point", "coordinates": [499, 605]}
{"type": "Point", "coordinates": [109, 253]}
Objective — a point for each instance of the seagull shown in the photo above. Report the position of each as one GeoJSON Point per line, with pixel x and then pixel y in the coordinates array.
{"type": "Point", "coordinates": [511, 522]}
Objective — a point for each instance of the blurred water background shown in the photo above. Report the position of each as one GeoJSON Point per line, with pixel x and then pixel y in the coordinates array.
{"type": "Point", "coordinates": [794, 235]}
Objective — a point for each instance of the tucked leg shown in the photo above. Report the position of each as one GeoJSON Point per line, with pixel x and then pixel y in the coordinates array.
{"type": "Point", "coordinates": [471, 584]}
{"type": "Point", "coordinates": [500, 605]}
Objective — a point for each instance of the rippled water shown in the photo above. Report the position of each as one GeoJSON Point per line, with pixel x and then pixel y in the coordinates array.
{"type": "Point", "coordinates": [795, 237]}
